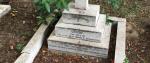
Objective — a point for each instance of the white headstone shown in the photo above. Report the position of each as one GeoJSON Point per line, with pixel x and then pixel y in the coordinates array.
{"type": "Point", "coordinates": [81, 4]}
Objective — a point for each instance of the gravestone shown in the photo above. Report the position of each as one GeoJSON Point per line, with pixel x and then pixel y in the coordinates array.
{"type": "Point", "coordinates": [81, 30]}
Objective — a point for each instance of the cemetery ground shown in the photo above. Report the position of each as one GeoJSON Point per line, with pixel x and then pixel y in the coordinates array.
{"type": "Point", "coordinates": [18, 26]}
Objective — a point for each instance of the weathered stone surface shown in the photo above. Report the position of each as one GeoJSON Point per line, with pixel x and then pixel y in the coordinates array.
{"type": "Point", "coordinates": [79, 19]}
{"type": "Point", "coordinates": [120, 39]}
{"type": "Point", "coordinates": [25, 58]}
{"type": "Point", "coordinates": [81, 4]}
{"type": "Point", "coordinates": [82, 17]}
{"type": "Point", "coordinates": [78, 34]}
{"type": "Point", "coordinates": [75, 48]}
{"type": "Point", "coordinates": [120, 42]}
{"type": "Point", "coordinates": [101, 23]}
{"type": "Point", "coordinates": [93, 10]}
{"type": "Point", "coordinates": [81, 32]}
{"type": "Point", "coordinates": [80, 46]}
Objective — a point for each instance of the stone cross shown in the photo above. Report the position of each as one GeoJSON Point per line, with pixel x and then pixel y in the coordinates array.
{"type": "Point", "coordinates": [81, 4]}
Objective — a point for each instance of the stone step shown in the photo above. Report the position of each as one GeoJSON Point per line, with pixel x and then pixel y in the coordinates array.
{"type": "Point", "coordinates": [75, 48]}
{"type": "Point", "coordinates": [80, 46]}
{"type": "Point", "coordinates": [87, 17]}
{"type": "Point", "coordinates": [81, 32]}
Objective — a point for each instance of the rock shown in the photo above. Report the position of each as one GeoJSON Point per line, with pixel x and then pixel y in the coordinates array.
{"type": "Point", "coordinates": [142, 50]}
{"type": "Point", "coordinates": [129, 27]}
{"type": "Point", "coordinates": [24, 22]}
{"type": "Point", "coordinates": [142, 31]}
{"type": "Point", "coordinates": [131, 32]}
{"type": "Point", "coordinates": [81, 32]}
{"type": "Point", "coordinates": [12, 14]}
{"type": "Point", "coordinates": [132, 35]}
{"type": "Point", "coordinates": [11, 47]}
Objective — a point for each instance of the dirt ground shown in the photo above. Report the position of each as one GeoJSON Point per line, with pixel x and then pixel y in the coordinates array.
{"type": "Point", "coordinates": [18, 27]}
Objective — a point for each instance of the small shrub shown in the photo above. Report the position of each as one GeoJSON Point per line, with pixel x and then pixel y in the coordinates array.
{"type": "Point", "coordinates": [126, 60]}
{"type": "Point", "coordinates": [46, 7]}
{"type": "Point", "coordinates": [19, 47]}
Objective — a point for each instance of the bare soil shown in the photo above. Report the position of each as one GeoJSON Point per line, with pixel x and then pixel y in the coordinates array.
{"type": "Point", "coordinates": [17, 27]}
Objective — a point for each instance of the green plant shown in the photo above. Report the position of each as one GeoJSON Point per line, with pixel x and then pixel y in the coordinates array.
{"type": "Point", "coordinates": [46, 7]}
{"type": "Point", "coordinates": [19, 47]}
{"type": "Point", "coordinates": [126, 60]}
{"type": "Point", "coordinates": [115, 3]}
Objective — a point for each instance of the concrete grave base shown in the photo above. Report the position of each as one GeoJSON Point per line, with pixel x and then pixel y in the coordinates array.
{"type": "Point", "coordinates": [81, 46]}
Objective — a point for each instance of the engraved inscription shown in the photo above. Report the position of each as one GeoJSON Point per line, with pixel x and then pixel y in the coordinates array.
{"type": "Point", "coordinates": [77, 34]}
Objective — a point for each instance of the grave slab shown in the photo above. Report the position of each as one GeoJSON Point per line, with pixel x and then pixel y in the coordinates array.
{"type": "Point", "coordinates": [81, 32]}
{"type": "Point", "coordinates": [120, 53]}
